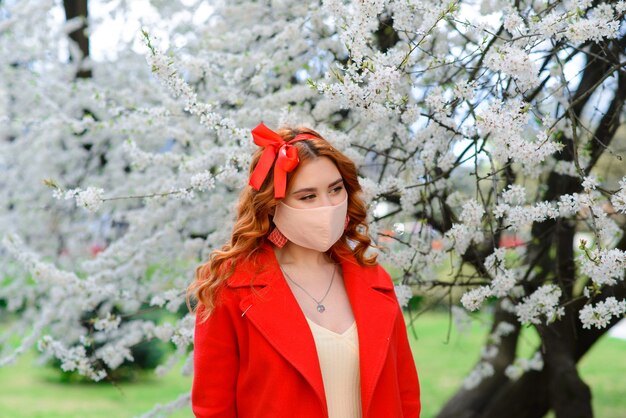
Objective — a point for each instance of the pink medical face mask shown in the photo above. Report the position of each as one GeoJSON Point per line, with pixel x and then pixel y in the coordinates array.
{"type": "Point", "coordinates": [315, 228]}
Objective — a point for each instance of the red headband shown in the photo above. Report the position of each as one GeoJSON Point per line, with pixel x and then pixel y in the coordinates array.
{"type": "Point", "coordinates": [287, 158]}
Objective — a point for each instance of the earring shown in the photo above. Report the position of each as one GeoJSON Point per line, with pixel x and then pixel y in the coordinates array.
{"type": "Point", "coordinates": [345, 225]}
{"type": "Point", "coordinates": [277, 238]}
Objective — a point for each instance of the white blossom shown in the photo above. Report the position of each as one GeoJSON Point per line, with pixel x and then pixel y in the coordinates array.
{"type": "Point", "coordinates": [465, 90]}
{"type": "Point", "coordinates": [108, 323]}
{"type": "Point", "coordinates": [73, 358]}
{"type": "Point", "coordinates": [472, 213]}
{"type": "Point", "coordinates": [603, 266]}
{"type": "Point", "coordinates": [114, 355]}
{"type": "Point", "coordinates": [91, 198]}
{"type": "Point", "coordinates": [516, 63]}
{"type": "Point", "coordinates": [597, 25]}
{"type": "Point", "coordinates": [520, 365]}
{"type": "Point", "coordinates": [515, 194]}
{"type": "Point", "coordinates": [601, 314]}
{"type": "Point", "coordinates": [403, 294]}
{"type": "Point", "coordinates": [473, 299]}
{"type": "Point", "coordinates": [590, 183]}
{"type": "Point", "coordinates": [542, 302]}
{"type": "Point", "coordinates": [619, 199]}
{"type": "Point", "coordinates": [481, 371]}
{"type": "Point", "coordinates": [503, 279]}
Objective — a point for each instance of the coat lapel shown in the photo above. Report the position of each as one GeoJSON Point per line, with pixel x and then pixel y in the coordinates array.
{"type": "Point", "coordinates": [275, 312]}
{"type": "Point", "coordinates": [374, 305]}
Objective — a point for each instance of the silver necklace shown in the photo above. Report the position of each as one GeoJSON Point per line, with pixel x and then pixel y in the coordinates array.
{"type": "Point", "coordinates": [320, 308]}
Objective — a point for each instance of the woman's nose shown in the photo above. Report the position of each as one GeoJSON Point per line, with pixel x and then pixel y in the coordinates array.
{"type": "Point", "coordinates": [326, 200]}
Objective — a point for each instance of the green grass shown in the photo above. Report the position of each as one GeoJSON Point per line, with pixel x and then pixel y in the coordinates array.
{"type": "Point", "coordinates": [29, 391]}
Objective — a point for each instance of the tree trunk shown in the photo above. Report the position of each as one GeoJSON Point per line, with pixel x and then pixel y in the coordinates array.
{"type": "Point", "coordinates": [558, 386]}
{"type": "Point", "coordinates": [76, 8]}
{"type": "Point", "coordinates": [470, 402]}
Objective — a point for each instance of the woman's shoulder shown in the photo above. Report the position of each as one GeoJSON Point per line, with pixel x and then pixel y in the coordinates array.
{"type": "Point", "coordinates": [254, 270]}
{"type": "Point", "coordinates": [375, 273]}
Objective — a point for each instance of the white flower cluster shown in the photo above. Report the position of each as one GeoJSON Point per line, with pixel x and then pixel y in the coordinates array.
{"type": "Point", "coordinates": [603, 266]}
{"type": "Point", "coordinates": [203, 181]}
{"type": "Point", "coordinates": [598, 24]}
{"type": "Point", "coordinates": [358, 20]}
{"type": "Point", "coordinates": [108, 323]}
{"type": "Point", "coordinates": [465, 90]}
{"type": "Point", "coordinates": [503, 281]}
{"type": "Point", "coordinates": [184, 333]}
{"type": "Point", "coordinates": [604, 226]}
{"type": "Point", "coordinates": [44, 273]}
{"type": "Point", "coordinates": [114, 354]}
{"type": "Point", "coordinates": [514, 194]}
{"type": "Point", "coordinates": [162, 68]}
{"type": "Point", "coordinates": [543, 301]}
{"type": "Point", "coordinates": [473, 299]}
{"type": "Point", "coordinates": [513, 22]}
{"type": "Point", "coordinates": [590, 183]}
{"type": "Point", "coordinates": [516, 63]}
{"type": "Point", "coordinates": [91, 198]}
{"type": "Point", "coordinates": [370, 190]}
{"type": "Point", "coordinates": [171, 298]}
{"type": "Point", "coordinates": [552, 23]}
{"type": "Point", "coordinates": [520, 365]}
{"type": "Point", "coordinates": [73, 358]}
{"type": "Point", "coordinates": [601, 314]}
{"type": "Point", "coordinates": [460, 236]}
{"type": "Point", "coordinates": [371, 90]}
{"type": "Point", "coordinates": [518, 215]}
{"type": "Point", "coordinates": [403, 294]}
{"type": "Point", "coordinates": [164, 331]}
{"type": "Point", "coordinates": [618, 200]}
{"type": "Point", "coordinates": [141, 159]}
{"type": "Point", "coordinates": [482, 371]}
{"type": "Point", "coordinates": [506, 123]}
{"type": "Point", "coordinates": [572, 25]}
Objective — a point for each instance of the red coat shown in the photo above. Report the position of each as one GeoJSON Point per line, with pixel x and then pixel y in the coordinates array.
{"type": "Point", "coordinates": [255, 356]}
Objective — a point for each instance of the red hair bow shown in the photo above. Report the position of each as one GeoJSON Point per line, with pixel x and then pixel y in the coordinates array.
{"type": "Point", "coordinates": [287, 158]}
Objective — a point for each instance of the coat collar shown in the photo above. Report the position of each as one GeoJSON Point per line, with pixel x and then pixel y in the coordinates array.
{"type": "Point", "coordinates": [275, 312]}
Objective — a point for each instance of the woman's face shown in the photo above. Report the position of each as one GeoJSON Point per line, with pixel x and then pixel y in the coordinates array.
{"type": "Point", "coordinates": [317, 183]}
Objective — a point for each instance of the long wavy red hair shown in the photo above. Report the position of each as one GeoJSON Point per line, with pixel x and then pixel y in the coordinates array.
{"type": "Point", "coordinates": [254, 221]}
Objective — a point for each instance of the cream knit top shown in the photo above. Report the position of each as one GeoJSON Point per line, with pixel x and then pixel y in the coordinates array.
{"type": "Point", "coordinates": [339, 361]}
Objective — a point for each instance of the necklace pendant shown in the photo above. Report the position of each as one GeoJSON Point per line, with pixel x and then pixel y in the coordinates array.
{"type": "Point", "coordinates": [320, 308]}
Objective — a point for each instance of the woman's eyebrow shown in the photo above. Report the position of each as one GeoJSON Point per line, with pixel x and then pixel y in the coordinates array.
{"type": "Point", "coordinates": [312, 189]}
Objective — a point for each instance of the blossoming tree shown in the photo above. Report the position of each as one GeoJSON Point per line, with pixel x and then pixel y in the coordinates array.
{"type": "Point", "coordinates": [471, 122]}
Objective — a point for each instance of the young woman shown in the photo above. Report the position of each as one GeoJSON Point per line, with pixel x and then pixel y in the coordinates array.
{"type": "Point", "coordinates": [293, 319]}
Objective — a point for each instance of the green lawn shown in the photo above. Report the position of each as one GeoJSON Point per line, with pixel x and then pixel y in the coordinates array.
{"type": "Point", "coordinates": [29, 391]}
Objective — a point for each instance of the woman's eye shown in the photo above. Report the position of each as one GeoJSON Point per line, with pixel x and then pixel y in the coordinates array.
{"type": "Point", "coordinates": [307, 196]}
{"type": "Point", "coordinates": [338, 189]}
